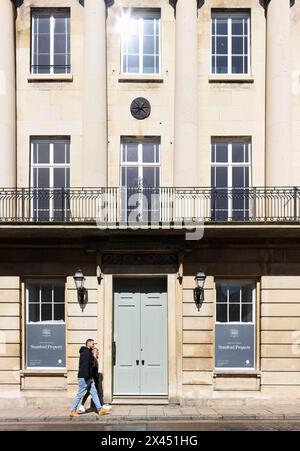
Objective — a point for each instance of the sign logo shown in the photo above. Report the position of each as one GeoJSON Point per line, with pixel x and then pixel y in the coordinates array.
{"type": "Point", "coordinates": [234, 333]}
{"type": "Point", "coordinates": [46, 333]}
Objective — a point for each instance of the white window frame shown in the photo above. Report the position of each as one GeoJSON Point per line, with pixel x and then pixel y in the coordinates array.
{"type": "Point", "coordinates": [253, 322]}
{"type": "Point", "coordinates": [51, 166]}
{"type": "Point", "coordinates": [44, 281]}
{"type": "Point", "coordinates": [229, 16]}
{"type": "Point", "coordinates": [230, 165]}
{"type": "Point", "coordinates": [140, 164]}
{"type": "Point", "coordinates": [140, 17]}
{"type": "Point", "coordinates": [49, 12]}
{"type": "Point", "coordinates": [41, 281]}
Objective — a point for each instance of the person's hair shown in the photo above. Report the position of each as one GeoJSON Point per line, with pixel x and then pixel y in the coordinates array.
{"type": "Point", "coordinates": [94, 351]}
{"type": "Point", "coordinates": [88, 340]}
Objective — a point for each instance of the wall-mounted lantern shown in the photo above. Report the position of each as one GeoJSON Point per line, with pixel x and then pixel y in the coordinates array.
{"type": "Point", "coordinates": [79, 280]}
{"type": "Point", "coordinates": [199, 290]}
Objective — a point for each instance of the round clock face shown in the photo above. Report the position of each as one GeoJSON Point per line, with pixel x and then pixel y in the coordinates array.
{"type": "Point", "coordinates": [140, 108]}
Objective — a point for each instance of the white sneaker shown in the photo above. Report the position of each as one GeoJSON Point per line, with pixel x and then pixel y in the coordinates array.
{"type": "Point", "coordinates": [81, 409]}
{"type": "Point", "coordinates": [106, 407]}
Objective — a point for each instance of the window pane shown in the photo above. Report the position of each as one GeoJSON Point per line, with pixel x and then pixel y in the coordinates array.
{"type": "Point", "coordinates": [59, 178]}
{"type": "Point", "coordinates": [221, 65]}
{"type": "Point", "coordinates": [149, 64]}
{"type": "Point", "coordinates": [234, 293]}
{"type": "Point", "coordinates": [149, 45]}
{"type": "Point", "coordinates": [222, 293]}
{"type": "Point", "coordinates": [60, 25]}
{"type": "Point", "coordinates": [132, 152]}
{"type": "Point", "coordinates": [59, 294]}
{"type": "Point", "coordinates": [59, 312]}
{"type": "Point", "coordinates": [43, 25]}
{"type": "Point", "coordinates": [237, 46]}
{"type": "Point", "coordinates": [133, 64]}
{"type": "Point", "coordinates": [222, 27]}
{"type": "Point", "coordinates": [34, 313]}
{"type": "Point", "coordinates": [60, 62]}
{"type": "Point", "coordinates": [222, 313]}
{"type": "Point", "coordinates": [238, 177]}
{"type": "Point", "coordinates": [43, 178]}
{"type": "Point", "coordinates": [34, 293]}
{"type": "Point", "coordinates": [46, 293]}
{"type": "Point", "coordinates": [149, 26]}
{"type": "Point", "coordinates": [221, 177]}
{"type": "Point", "coordinates": [234, 313]}
{"type": "Point", "coordinates": [221, 152]}
{"type": "Point", "coordinates": [247, 293]}
{"type": "Point", "coordinates": [247, 316]}
{"type": "Point", "coordinates": [44, 43]}
{"type": "Point", "coordinates": [132, 177]}
{"type": "Point", "coordinates": [46, 312]}
{"type": "Point", "coordinates": [61, 152]}
{"type": "Point", "coordinates": [148, 153]}
{"type": "Point", "coordinates": [148, 177]}
{"type": "Point", "coordinates": [213, 45]}
{"type": "Point", "coordinates": [222, 45]}
{"type": "Point", "coordinates": [237, 26]}
{"type": "Point", "coordinates": [237, 65]}
{"type": "Point", "coordinates": [132, 45]}
{"type": "Point", "coordinates": [245, 65]}
{"type": "Point", "coordinates": [238, 152]}
{"type": "Point", "coordinates": [60, 44]}
{"type": "Point", "coordinates": [43, 64]}
{"type": "Point", "coordinates": [43, 152]}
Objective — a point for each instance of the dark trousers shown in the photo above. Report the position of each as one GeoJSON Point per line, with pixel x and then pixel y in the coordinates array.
{"type": "Point", "coordinates": [99, 388]}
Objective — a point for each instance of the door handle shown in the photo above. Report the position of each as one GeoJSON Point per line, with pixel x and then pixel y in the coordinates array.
{"type": "Point", "coordinates": [137, 362]}
{"type": "Point", "coordinates": [143, 362]}
{"type": "Point", "coordinates": [114, 351]}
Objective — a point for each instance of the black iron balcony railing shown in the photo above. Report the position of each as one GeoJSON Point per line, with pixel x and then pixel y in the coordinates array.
{"type": "Point", "coordinates": [107, 207]}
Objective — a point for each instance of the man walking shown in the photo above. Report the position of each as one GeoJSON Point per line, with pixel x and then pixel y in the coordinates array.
{"type": "Point", "coordinates": [85, 379]}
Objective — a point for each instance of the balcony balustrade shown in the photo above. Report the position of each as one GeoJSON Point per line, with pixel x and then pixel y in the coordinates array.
{"type": "Point", "coordinates": [143, 207]}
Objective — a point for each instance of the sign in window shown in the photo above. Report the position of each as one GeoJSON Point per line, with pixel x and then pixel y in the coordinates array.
{"type": "Point", "coordinates": [235, 325]}
{"type": "Point", "coordinates": [45, 324]}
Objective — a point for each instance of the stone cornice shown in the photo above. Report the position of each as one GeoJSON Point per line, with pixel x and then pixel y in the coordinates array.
{"type": "Point", "coordinates": [200, 3]}
{"type": "Point", "coordinates": [264, 3]}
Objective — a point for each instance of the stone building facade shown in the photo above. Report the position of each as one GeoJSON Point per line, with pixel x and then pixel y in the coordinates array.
{"type": "Point", "coordinates": [145, 141]}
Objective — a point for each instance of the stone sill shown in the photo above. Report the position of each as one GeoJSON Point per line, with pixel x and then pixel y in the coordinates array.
{"type": "Point", "coordinates": [44, 372]}
{"type": "Point", "coordinates": [231, 79]}
{"type": "Point", "coordinates": [140, 79]}
{"type": "Point", "coordinates": [38, 78]}
{"type": "Point", "coordinates": [237, 373]}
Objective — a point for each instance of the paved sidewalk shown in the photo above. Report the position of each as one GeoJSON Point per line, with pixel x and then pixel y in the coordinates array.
{"type": "Point", "coordinates": [125, 414]}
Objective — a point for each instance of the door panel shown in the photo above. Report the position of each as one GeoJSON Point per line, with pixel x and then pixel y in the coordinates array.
{"type": "Point", "coordinates": [127, 339]}
{"type": "Point", "coordinates": [154, 379]}
{"type": "Point", "coordinates": [140, 333]}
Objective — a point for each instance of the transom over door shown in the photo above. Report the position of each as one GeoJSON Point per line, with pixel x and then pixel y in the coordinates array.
{"type": "Point", "coordinates": [140, 337]}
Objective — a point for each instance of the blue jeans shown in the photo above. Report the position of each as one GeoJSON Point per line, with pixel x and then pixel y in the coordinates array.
{"type": "Point", "coordinates": [83, 386]}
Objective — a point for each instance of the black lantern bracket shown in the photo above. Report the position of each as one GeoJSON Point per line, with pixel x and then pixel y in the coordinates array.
{"type": "Point", "coordinates": [79, 280]}
{"type": "Point", "coordinates": [199, 289]}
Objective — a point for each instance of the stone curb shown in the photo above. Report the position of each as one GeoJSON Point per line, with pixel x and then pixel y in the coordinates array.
{"type": "Point", "coordinates": [150, 418]}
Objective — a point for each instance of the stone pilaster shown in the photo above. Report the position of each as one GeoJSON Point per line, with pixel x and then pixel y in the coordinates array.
{"type": "Point", "coordinates": [186, 152]}
{"type": "Point", "coordinates": [7, 96]}
{"type": "Point", "coordinates": [278, 94]}
{"type": "Point", "coordinates": [95, 95]}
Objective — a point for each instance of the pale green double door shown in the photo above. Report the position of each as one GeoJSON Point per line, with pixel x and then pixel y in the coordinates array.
{"type": "Point", "coordinates": [140, 337]}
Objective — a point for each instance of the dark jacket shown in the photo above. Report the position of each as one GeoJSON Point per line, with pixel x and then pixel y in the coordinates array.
{"type": "Point", "coordinates": [86, 363]}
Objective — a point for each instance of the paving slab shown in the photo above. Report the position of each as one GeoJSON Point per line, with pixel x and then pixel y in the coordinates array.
{"type": "Point", "coordinates": [130, 413]}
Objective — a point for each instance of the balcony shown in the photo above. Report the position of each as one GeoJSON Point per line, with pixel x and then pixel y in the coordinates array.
{"type": "Point", "coordinates": [164, 208]}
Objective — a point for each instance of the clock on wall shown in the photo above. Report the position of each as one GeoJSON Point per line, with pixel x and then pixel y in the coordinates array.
{"type": "Point", "coordinates": [140, 108]}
